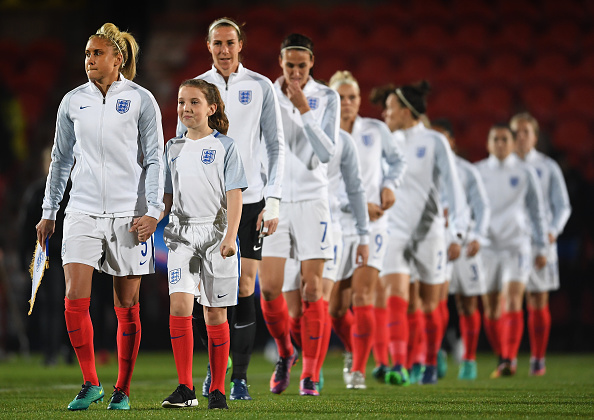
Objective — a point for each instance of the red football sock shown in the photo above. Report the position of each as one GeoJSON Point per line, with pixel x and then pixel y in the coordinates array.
{"type": "Point", "coordinates": [128, 341]}
{"type": "Point", "coordinates": [363, 332]}
{"type": "Point", "coordinates": [470, 326]}
{"type": "Point", "coordinates": [182, 343]}
{"type": "Point", "coordinates": [218, 354]}
{"type": "Point", "coordinates": [295, 329]}
{"type": "Point", "coordinates": [327, 332]}
{"type": "Point", "coordinates": [398, 327]}
{"type": "Point", "coordinates": [276, 316]}
{"type": "Point", "coordinates": [433, 329]}
{"type": "Point", "coordinates": [417, 343]}
{"type": "Point", "coordinates": [380, 339]}
{"type": "Point", "coordinates": [312, 334]}
{"type": "Point", "coordinates": [539, 328]}
{"type": "Point", "coordinates": [80, 331]}
{"type": "Point", "coordinates": [445, 315]}
{"type": "Point", "coordinates": [342, 328]}
{"type": "Point", "coordinates": [493, 333]}
{"type": "Point", "coordinates": [511, 335]}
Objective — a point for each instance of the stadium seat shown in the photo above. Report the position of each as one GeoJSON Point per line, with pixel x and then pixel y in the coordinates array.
{"type": "Point", "coordinates": [461, 68]}
{"type": "Point", "coordinates": [431, 38]}
{"type": "Point", "coordinates": [541, 100]}
{"type": "Point", "coordinates": [516, 36]}
{"type": "Point", "coordinates": [385, 38]}
{"type": "Point", "coordinates": [571, 10]}
{"type": "Point", "coordinates": [503, 68]}
{"type": "Point", "coordinates": [372, 69]}
{"type": "Point", "coordinates": [578, 100]}
{"type": "Point", "coordinates": [452, 102]}
{"type": "Point", "coordinates": [494, 103]}
{"type": "Point", "coordinates": [549, 68]}
{"type": "Point", "coordinates": [390, 13]}
{"type": "Point", "coordinates": [561, 36]}
{"type": "Point", "coordinates": [473, 11]}
{"type": "Point", "coordinates": [432, 12]}
{"type": "Point", "coordinates": [472, 141]}
{"type": "Point", "coordinates": [471, 37]}
{"type": "Point", "coordinates": [517, 11]}
{"type": "Point", "coordinates": [416, 66]}
{"type": "Point", "coordinates": [573, 135]}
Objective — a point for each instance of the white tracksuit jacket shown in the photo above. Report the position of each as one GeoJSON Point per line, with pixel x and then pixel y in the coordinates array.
{"type": "Point", "coordinates": [116, 147]}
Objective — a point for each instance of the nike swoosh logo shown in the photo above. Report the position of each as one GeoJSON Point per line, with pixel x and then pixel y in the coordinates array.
{"type": "Point", "coordinates": [179, 336]}
{"type": "Point", "coordinates": [83, 107]}
{"type": "Point", "coordinates": [219, 345]}
{"type": "Point", "coordinates": [222, 296]}
{"type": "Point", "coordinates": [142, 263]}
{"type": "Point", "coordinates": [360, 335]}
{"type": "Point", "coordinates": [126, 335]}
{"type": "Point", "coordinates": [324, 247]}
{"type": "Point", "coordinates": [314, 338]}
{"type": "Point", "coordinates": [174, 158]}
{"type": "Point", "coordinates": [257, 248]}
{"type": "Point", "coordinates": [73, 330]}
{"type": "Point", "coordinates": [237, 326]}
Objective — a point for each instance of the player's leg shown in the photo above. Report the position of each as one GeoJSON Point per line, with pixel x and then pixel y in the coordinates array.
{"type": "Point", "coordinates": [470, 323]}
{"type": "Point", "coordinates": [381, 338]}
{"type": "Point", "coordinates": [539, 327]}
{"type": "Point", "coordinates": [218, 353]}
{"type": "Point", "coordinates": [398, 286]}
{"type": "Point", "coordinates": [342, 321]}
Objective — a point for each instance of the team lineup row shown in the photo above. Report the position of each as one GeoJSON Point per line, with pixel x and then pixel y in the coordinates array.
{"type": "Point", "coordinates": [350, 223]}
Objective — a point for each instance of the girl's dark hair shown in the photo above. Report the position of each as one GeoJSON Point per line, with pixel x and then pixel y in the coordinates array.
{"type": "Point", "coordinates": [415, 95]}
{"type": "Point", "coordinates": [379, 94]}
{"type": "Point", "coordinates": [443, 123]}
{"type": "Point", "coordinates": [297, 41]}
{"type": "Point", "coordinates": [217, 121]}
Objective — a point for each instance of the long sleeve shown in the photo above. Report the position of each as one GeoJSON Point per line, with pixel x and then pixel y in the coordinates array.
{"type": "Point", "coordinates": [150, 132]}
{"type": "Point", "coordinates": [62, 161]}
{"type": "Point", "coordinates": [457, 208]}
{"type": "Point", "coordinates": [559, 199]}
{"type": "Point", "coordinates": [351, 174]}
{"type": "Point", "coordinates": [271, 125]}
{"type": "Point", "coordinates": [394, 158]}
{"type": "Point", "coordinates": [478, 202]}
{"type": "Point", "coordinates": [321, 136]}
{"type": "Point", "coordinates": [535, 206]}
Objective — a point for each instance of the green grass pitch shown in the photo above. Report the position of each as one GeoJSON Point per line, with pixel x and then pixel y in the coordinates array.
{"type": "Point", "coordinates": [30, 391]}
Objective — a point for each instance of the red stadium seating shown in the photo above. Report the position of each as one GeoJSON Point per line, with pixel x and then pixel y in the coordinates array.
{"type": "Point", "coordinates": [541, 100]}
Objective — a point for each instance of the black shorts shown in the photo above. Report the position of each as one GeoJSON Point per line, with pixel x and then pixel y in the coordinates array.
{"type": "Point", "coordinates": [250, 244]}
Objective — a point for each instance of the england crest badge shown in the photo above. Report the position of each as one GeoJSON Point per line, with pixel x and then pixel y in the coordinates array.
{"type": "Point", "coordinates": [208, 156]}
{"type": "Point", "coordinates": [313, 103]}
{"type": "Point", "coordinates": [421, 152]}
{"type": "Point", "coordinates": [123, 106]}
{"type": "Point", "coordinates": [367, 140]}
{"type": "Point", "coordinates": [245, 97]}
{"type": "Point", "coordinates": [514, 181]}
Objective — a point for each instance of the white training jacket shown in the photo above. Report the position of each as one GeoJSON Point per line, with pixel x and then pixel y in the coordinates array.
{"type": "Point", "coordinates": [554, 191]}
{"type": "Point", "coordinates": [309, 140]}
{"type": "Point", "coordinates": [376, 145]}
{"type": "Point", "coordinates": [516, 204]}
{"type": "Point", "coordinates": [198, 173]}
{"type": "Point", "coordinates": [346, 193]}
{"type": "Point", "coordinates": [418, 211]}
{"type": "Point", "coordinates": [116, 146]}
{"type": "Point", "coordinates": [253, 112]}
{"type": "Point", "coordinates": [476, 198]}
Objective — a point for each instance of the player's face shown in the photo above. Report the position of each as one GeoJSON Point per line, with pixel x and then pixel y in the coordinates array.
{"type": "Point", "coordinates": [296, 65]}
{"type": "Point", "coordinates": [225, 46]}
{"type": "Point", "coordinates": [525, 137]}
{"type": "Point", "coordinates": [101, 62]}
{"type": "Point", "coordinates": [192, 108]}
{"type": "Point", "coordinates": [350, 101]}
{"type": "Point", "coordinates": [394, 114]}
{"type": "Point", "coordinates": [500, 143]}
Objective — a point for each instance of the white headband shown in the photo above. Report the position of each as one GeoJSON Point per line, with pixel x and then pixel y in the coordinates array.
{"type": "Point", "coordinates": [406, 103]}
{"type": "Point", "coordinates": [115, 43]}
{"type": "Point", "coordinates": [223, 20]}
{"type": "Point", "coordinates": [298, 48]}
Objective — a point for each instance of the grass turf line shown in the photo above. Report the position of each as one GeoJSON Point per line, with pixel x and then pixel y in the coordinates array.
{"type": "Point", "coordinates": [28, 391]}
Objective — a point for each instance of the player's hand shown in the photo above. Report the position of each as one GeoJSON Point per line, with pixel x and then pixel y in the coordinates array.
{"type": "Point", "coordinates": [473, 248]}
{"type": "Point", "coordinates": [297, 97]}
{"type": "Point", "coordinates": [375, 211]}
{"type": "Point", "coordinates": [454, 251]}
{"type": "Point", "coordinates": [228, 248]}
{"type": "Point", "coordinates": [388, 198]}
{"type": "Point", "coordinates": [552, 238]}
{"type": "Point", "coordinates": [145, 226]}
{"type": "Point", "coordinates": [540, 262]}
{"type": "Point", "coordinates": [362, 255]}
{"type": "Point", "coordinates": [268, 227]}
{"type": "Point", "coordinates": [45, 229]}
